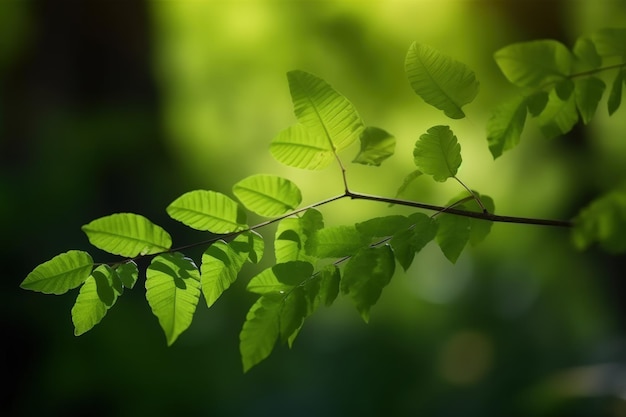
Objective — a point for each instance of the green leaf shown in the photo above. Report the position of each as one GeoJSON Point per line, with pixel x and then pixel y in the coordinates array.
{"type": "Point", "coordinates": [610, 42]}
{"type": "Point", "coordinates": [479, 229]}
{"type": "Point", "coordinates": [329, 279]}
{"type": "Point", "coordinates": [589, 91]}
{"type": "Point", "coordinates": [96, 296]}
{"type": "Point", "coordinates": [453, 234]}
{"type": "Point", "coordinates": [323, 111]}
{"type": "Point", "coordinates": [537, 102]}
{"type": "Point", "coordinates": [260, 330]}
{"type": "Point", "coordinates": [220, 266]}
{"type": "Point", "coordinates": [127, 234]}
{"type": "Point", "coordinates": [281, 278]}
{"type": "Point", "coordinates": [406, 243]}
{"type": "Point", "coordinates": [559, 117]}
{"type": "Point", "coordinates": [505, 126]}
{"type": "Point", "coordinates": [603, 221]}
{"type": "Point", "coordinates": [564, 89]}
{"type": "Point", "coordinates": [365, 276]}
{"type": "Point", "coordinates": [408, 180]}
{"type": "Point", "coordinates": [173, 292]}
{"type": "Point", "coordinates": [208, 211]}
{"type": "Point", "coordinates": [60, 274]}
{"type": "Point", "coordinates": [439, 80]}
{"type": "Point", "coordinates": [128, 273]}
{"type": "Point", "coordinates": [292, 314]}
{"type": "Point", "coordinates": [615, 96]}
{"type": "Point", "coordinates": [376, 146]}
{"type": "Point", "coordinates": [382, 226]}
{"type": "Point", "coordinates": [535, 64]}
{"type": "Point", "coordinates": [295, 147]}
{"type": "Point", "coordinates": [587, 57]}
{"type": "Point", "coordinates": [268, 195]}
{"type": "Point", "coordinates": [256, 246]}
{"type": "Point", "coordinates": [292, 234]}
{"type": "Point", "coordinates": [438, 153]}
{"type": "Point", "coordinates": [335, 242]}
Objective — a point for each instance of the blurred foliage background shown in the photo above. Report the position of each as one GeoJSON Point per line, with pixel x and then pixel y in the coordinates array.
{"type": "Point", "coordinates": [122, 106]}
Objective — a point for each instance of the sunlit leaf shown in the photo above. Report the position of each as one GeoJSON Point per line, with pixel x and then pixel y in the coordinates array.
{"type": "Point", "coordinates": [323, 111]}
{"type": "Point", "coordinates": [208, 211]}
{"type": "Point", "coordinates": [438, 153]}
{"type": "Point", "coordinates": [292, 234]}
{"type": "Point", "coordinates": [589, 91]}
{"type": "Point", "coordinates": [615, 96]}
{"type": "Point", "coordinates": [610, 42]}
{"type": "Point", "coordinates": [127, 234]}
{"type": "Point", "coordinates": [439, 80]}
{"type": "Point", "coordinates": [603, 221]}
{"type": "Point", "coordinates": [96, 296]}
{"type": "Point", "coordinates": [559, 117]}
{"type": "Point", "coordinates": [376, 146]}
{"type": "Point", "coordinates": [220, 266]}
{"type": "Point", "coordinates": [128, 273]}
{"type": "Point", "coordinates": [406, 243]}
{"type": "Point", "coordinates": [453, 234]}
{"type": "Point", "coordinates": [535, 64]}
{"type": "Point", "coordinates": [256, 245]}
{"type": "Point", "coordinates": [281, 278]}
{"type": "Point", "coordinates": [366, 274]}
{"type": "Point", "coordinates": [173, 292]}
{"type": "Point", "coordinates": [295, 147]}
{"type": "Point", "coordinates": [335, 242]}
{"type": "Point", "coordinates": [268, 195]}
{"type": "Point", "coordinates": [60, 274]}
{"type": "Point", "coordinates": [505, 126]}
{"type": "Point", "coordinates": [260, 330]}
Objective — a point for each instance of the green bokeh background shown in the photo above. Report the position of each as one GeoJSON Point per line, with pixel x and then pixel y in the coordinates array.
{"type": "Point", "coordinates": [122, 106]}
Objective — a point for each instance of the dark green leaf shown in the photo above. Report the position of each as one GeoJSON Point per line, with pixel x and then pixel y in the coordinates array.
{"type": "Point", "coordinates": [452, 235]}
{"type": "Point", "coordinates": [439, 80]}
{"type": "Point", "coordinates": [281, 278]}
{"type": "Point", "coordinates": [382, 226]}
{"type": "Point", "coordinates": [260, 330]}
{"type": "Point", "coordinates": [615, 96]}
{"type": "Point", "coordinates": [60, 274]}
{"type": "Point", "coordinates": [335, 242]}
{"type": "Point", "coordinates": [329, 279]}
{"type": "Point", "coordinates": [564, 89]}
{"type": "Point", "coordinates": [408, 242]}
{"type": "Point", "coordinates": [610, 42]}
{"type": "Point", "coordinates": [292, 314]}
{"type": "Point", "coordinates": [365, 276]}
{"type": "Point", "coordinates": [376, 146]}
{"type": "Point", "coordinates": [438, 153]}
{"type": "Point", "coordinates": [587, 57]}
{"type": "Point", "coordinates": [537, 102]}
{"type": "Point", "coordinates": [505, 126]}
{"type": "Point", "coordinates": [588, 94]}
{"type": "Point", "coordinates": [603, 221]}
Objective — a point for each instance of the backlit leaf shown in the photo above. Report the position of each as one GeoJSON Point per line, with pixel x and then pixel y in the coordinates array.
{"type": "Point", "coordinates": [260, 330]}
{"type": "Point", "coordinates": [268, 195]}
{"type": "Point", "coordinates": [173, 292]}
{"type": "Point", "coordinates": [535, 64]}
{"type": "Point", "coordinates": [438, 153]}
{"type": "Point", "coordinates": [335, 242]}
{"type": "Point", "coordinates": [589, 91]}
{"type": "Point", "coordinates": [96, 296]}
{"type": "Point", "coordinates": [323, 111]}
{"type": "Point", "coordinates": [220, 266]}
{"type": "Point", "coordinates": [208, 211]}
{"type": "Point", "coordinates": [128, 273]}
{"type": "Point", "coordinates": [127, 234]}
{"type": "Point", "coordinates": [376, 146]}
{"type": "Point", "coordinates": [60, 274]}
{"type": "Point", "coordinates": [505, 126]}
{"type": "Point", "coordinates": [292, 234]}
{"type": "Point", "coordinates": [559, 117]}
{"type": "Point", "coordinates": [281, 278]}
{"type": "Point", "coordinates": [604, 222]}
{"type": "Point", "coordinates": [439, 80]}
{"type": "Point", "coordinates": [366, 274]}
{"type": "Point", "coordinates": [295, 147]}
